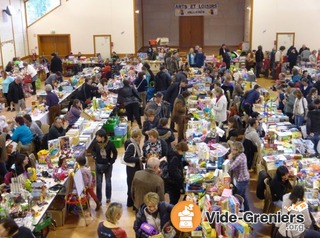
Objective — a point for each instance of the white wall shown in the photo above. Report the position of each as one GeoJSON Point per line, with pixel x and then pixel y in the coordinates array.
{"type": "Point", "coordinates": [139, 24]}
{"type": "Point", "coordinates": [227, 27]}
{"type": "Point", "coordinates": [12, 31]}
{"type": "Point", "coordinates": [299, 16]}
{"type": "Point", "coordinates": [83, 18]}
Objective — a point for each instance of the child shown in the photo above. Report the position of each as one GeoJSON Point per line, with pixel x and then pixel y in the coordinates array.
{"type": "Point", "coordinates": [280, 98]}
{"type": "Point", "coordinates": [88, 179]}
{"type": "Point", "coordinates": [150, 123]}
{"type": "Point", "coordinates": [150, 91]}
{"type": "Point", "coordinates": [165, 133]}
{"type": "Point", "coordinates": [62, 163]}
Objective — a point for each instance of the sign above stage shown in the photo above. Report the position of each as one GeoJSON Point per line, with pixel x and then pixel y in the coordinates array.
{"type": "Point", "coordinates": [197, 9]}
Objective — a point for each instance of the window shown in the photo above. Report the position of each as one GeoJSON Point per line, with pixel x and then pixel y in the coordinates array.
{"type": "Point", "coordinates": [38, 8]}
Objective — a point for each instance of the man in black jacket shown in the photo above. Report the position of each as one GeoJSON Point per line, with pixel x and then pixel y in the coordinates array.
{"type": "Point", "coordinates": [56, 63]}
{"type": "Point", "coordinates": [224, 52]}
{"type": "Point", "coordinates": [162, 80]}
{"type": "Point", "coordinates": [172, 93]}
{"type": "Point", "coordinates": [16, 95]}
{"type": "Point", "coordinates": [57, 129]}
{"type": "Point", "coordinates": [259, 61]}
{"type": "Point", "coordinates": [313, 125]}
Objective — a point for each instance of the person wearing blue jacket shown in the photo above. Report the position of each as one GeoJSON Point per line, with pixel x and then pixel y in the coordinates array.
{"type": "Point", "coordinates": [22, 135]}
{"type": "Point", "coordinates": [199, 58]}
{"type": "Point", "coordinates": [141, 85]}
{"type": "Point", "coordinates": [5, 86]}
{"type": "Point", "coordinates": [251, 97]}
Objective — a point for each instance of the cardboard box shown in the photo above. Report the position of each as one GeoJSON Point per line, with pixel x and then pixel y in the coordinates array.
{"type": "Point", "coordinates": [58, 215]}
{"type": "Point", "coordinates": [206, 229]}
{"type": "Point", "coordinates": [196, 234]}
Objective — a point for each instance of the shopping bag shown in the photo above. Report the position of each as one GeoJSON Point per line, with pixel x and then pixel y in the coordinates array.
{"type": "Point", "coordinates": [132, 165]}
{"type": "Point", "coordinates": [304, 131]}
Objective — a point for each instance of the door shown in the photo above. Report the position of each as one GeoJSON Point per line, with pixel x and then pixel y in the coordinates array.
{"type": "Point", "coordinates": [59, 44]}
{"type": "Point", "coordinates": [190, 31]}
{"type": "Point", "coordinates": [102, 45]}
{"type": "Point", "coordinates": [285, 39]}
{"type": "Point", "coordinates": [7, 52]}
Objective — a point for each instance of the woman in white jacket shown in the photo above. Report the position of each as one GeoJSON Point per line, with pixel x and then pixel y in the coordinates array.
{"type": "Point", "coordinates": [220, 106]}
{"type": "Point", "coordinates": [300, 108]}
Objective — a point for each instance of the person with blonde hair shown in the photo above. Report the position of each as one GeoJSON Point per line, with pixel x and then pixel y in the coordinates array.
{"type": "Point", "coordinates": [156, 214]}
{"type": "Point", "coordinates": [110, 228]}
{"type": "Point", "coordinates": [239, 170]}
{"type": "Point", "coordinates": [133, 159]}
{"type": "Point", "coordinates": [154, 146]}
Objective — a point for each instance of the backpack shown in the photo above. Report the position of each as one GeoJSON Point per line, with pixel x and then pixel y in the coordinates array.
{"type": "Point", "coordinates": [165, 175]}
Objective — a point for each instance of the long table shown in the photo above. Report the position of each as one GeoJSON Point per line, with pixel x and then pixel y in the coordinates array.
{"type": "Point", "coordinates": [44, 117]}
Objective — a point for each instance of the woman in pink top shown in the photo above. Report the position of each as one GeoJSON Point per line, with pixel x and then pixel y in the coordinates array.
{"type": "Point", "coordinates": [88, 179]}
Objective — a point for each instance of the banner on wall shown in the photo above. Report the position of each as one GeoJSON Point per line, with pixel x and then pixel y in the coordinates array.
{"type": "Point", "coordinates": [198, 9]}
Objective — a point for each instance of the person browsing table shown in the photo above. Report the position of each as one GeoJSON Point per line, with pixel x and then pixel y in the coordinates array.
{"type": "Point", "coordinates": [105, 154]}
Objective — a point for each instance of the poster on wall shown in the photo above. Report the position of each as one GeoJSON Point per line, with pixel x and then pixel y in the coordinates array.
{"type": "Point", "coordinates": [197, 9]}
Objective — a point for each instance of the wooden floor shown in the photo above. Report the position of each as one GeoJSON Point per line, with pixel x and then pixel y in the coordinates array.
{"type": "Point", "coordinates": [75, 227]}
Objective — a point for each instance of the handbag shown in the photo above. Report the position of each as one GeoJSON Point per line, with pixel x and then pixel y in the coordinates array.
{"type": "Point", "coordinates": [139, 84]}
{"type": "Point", "coordinates": [132, 165]}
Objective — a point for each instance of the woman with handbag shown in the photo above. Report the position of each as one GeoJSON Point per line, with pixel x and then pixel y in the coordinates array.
{"type": "Point", "coordinates": [132, 159]}
{"type": "Point", "coordinates": [128, 96]}
{"type": "Point", "coordinates": [105, 154]}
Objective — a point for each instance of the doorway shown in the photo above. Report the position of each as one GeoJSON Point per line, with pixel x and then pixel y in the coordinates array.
{"type": "Point", "coordinates": [56, 43]}
{"type": "Point", "coordinates": [285, 39]}
{"type": "Point", "coordinates": [102, 45]}
{"type": "Point", "coordinates": [190, 31]}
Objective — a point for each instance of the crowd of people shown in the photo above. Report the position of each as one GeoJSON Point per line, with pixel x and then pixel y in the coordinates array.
{"type": "Point", "coordinates": [153, 147]}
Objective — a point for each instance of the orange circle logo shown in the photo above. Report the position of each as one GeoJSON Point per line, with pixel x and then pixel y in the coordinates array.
{"type": "Point", "coordinates": [185, 216]}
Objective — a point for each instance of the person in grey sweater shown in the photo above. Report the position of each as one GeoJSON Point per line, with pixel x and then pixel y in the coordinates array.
{"type": "Point", "coordinates": [75, 112]}
{"type": "Point", "coordinates": [251, 132]}
{"type": "Point", "coordinates": [289, 101]}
